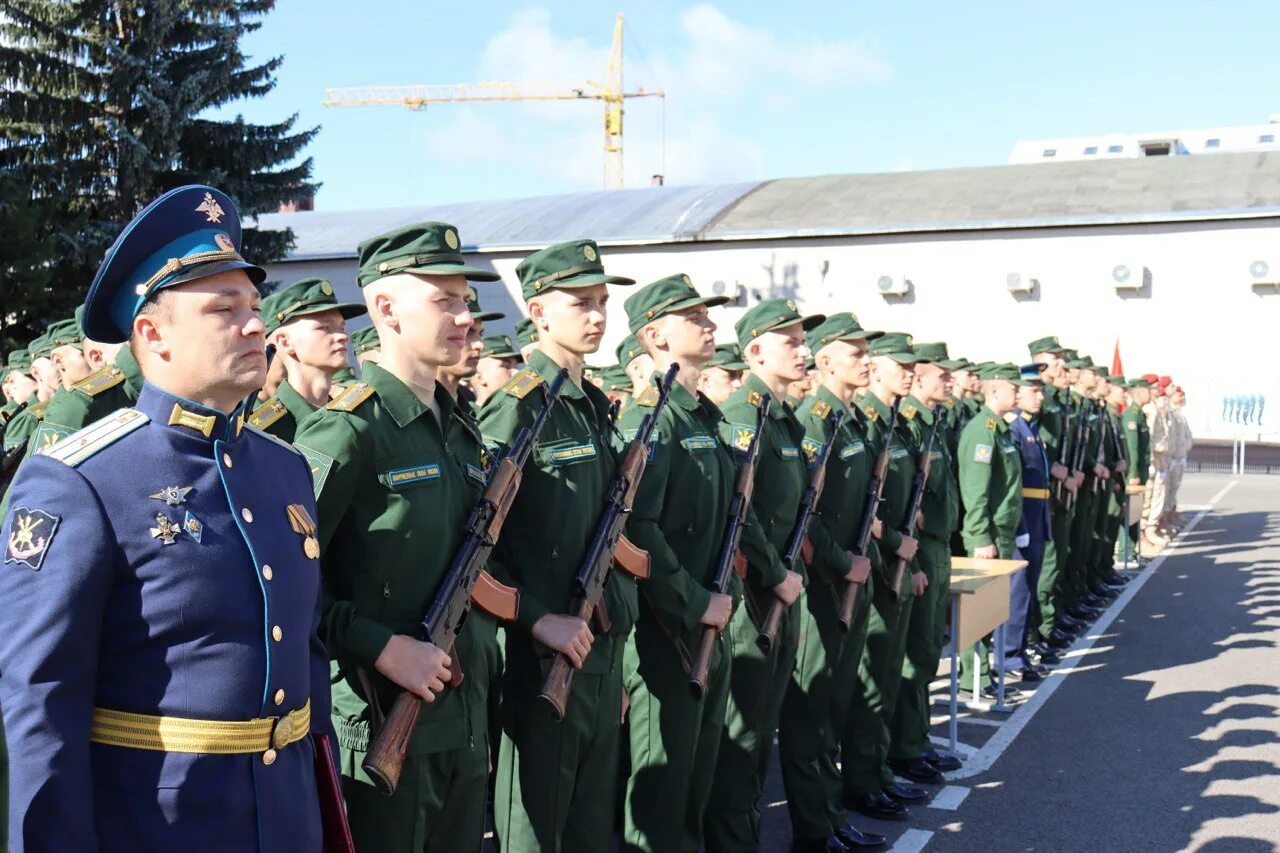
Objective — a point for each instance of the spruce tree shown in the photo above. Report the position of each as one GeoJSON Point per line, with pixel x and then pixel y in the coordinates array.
{"type": "Point", "coordinates": [106, 104]}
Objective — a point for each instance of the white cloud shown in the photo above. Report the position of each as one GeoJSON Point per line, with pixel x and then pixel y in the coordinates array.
{"type": "Point", "coordinates": [710, 63]}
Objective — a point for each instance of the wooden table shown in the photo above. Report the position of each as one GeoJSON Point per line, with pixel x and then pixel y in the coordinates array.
{"type": "Point", "coordinates": [979, 605]}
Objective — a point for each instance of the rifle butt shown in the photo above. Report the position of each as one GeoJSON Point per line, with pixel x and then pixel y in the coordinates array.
{"type": "Point", "coordinates": [848, 601]}
{"type": "Point", "coordinates": [557, 686]}
{"type": "Point", "coordinates": [385, 759]}
{"type": "Point", "coordinates": [769, 628]}
{"type": "Point", "coordinates": [702, 662]}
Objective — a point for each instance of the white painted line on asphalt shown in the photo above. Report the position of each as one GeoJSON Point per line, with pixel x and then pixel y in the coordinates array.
{"type": "Point", "coordinates": [911, 841]}
{"type": "Point", "coordinates": [981, 761]}
{"type": "Point", "coordinates": [949, 798]}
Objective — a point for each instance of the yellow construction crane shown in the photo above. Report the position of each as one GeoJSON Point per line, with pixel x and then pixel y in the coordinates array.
{"type": "Point", "coordinates": [418, 97]}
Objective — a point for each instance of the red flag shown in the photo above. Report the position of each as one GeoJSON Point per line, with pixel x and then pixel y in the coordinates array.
{"type": "Point", "coordinates": [1117, 369]}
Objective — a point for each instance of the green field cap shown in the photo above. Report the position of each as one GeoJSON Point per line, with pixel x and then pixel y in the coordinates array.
{"type": "Point", "coordinates": [565, 265]}
{"type": "Point", "coordinates": [1006, 371]}
{"type": "Point", "coordinates": [628, 351]}
{"type": "Point", "coordinates": [20, 360]}
{"type": "Point", "coordinates": [365, 340]}
{"type": "Point", "coordinates": [841, 326]}
{"type": "Point", "coordinates": [478, 313]}
{"type": "Point", "coordinates": [526, 333]}
{"type": "Point", "coordinates": [770, 315]}
{"type": "Point", "coordinates": [662, 297]}
{"type": "Point", "coordinates": [895, 345]}
{"type": "Point", "coordinates": [1047, 344]}
{"type": "Point", "coordinates": [308, 296]}
{"type": "Point", "coordinates": [727, 357]}
{"type": "Point", "coordinates": [424, 247]}
{"type": "Point", "coordinates": [498, 346]}
{"type": "Point", "coordinates": [614, 378]}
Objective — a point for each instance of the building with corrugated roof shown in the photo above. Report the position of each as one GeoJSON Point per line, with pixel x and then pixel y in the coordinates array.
{"type": "Point", "coordinates": [1176, 257]}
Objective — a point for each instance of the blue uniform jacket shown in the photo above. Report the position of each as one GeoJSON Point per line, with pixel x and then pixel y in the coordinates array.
{"type": "Point", "coordinates": [151, 569]}
{"type": "Point", "coordinates": [1036, 519]}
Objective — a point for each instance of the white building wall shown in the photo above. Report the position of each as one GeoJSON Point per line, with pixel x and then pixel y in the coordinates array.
{"type": "Point", "coordinates": [1198, 320]}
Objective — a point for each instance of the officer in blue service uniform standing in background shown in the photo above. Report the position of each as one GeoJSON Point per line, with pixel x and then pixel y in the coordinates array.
{"type": "Point", "coordinates": [162, 673]}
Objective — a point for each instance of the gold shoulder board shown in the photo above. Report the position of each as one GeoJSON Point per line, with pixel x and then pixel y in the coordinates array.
{"type": "Point", "coordinates": [871, 413]}
{"type": "Point", "coordinates": [991, 424]}
{"type": "Point", "coordinates": [37, 411]}
{"type": "Point", "coordinates": [107, 376]}
{"type": "Point", "coordinates": [648, 397]}
{"type": "Point", "coordinates": [350, 398]}
{"type": "Point", "coordinates": [753, 398]}
{"type": "Point", "coordinates": [268, 413]}
{"type": "Point", "coordinates": [97, 436]}
{"type": "Point", "coordinates": [821, 409]}
{"type": "Point", "coordinates": [908, 411]}
{"type": "Point", "coordinates": [522, 383]}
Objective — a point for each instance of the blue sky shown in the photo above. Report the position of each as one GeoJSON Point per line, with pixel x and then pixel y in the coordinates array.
{"type": "Point", "coordinates": [754, 90]}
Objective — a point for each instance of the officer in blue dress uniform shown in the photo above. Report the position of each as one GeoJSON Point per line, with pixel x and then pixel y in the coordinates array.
{"type": "Point", "coordinates": [1036, 527]}
{"type": "Point", "coordinates": [162, 672]}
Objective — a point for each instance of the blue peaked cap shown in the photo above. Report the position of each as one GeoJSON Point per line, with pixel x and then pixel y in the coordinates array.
{"type": "Point", "coordinates": [186, 234]}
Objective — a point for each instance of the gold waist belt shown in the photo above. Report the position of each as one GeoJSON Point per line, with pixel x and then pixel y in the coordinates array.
{"type": "Point", "coordinates": [1043, 494]}
{"type": "Point", "coordinates": [214, 737]}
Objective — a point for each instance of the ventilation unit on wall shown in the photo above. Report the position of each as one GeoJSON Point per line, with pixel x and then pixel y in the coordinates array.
{"type": "Point", "coordinates": [1020, 282]}
{"type": "Point", "coordinates": [1128, 277]}
{"type": "Point", "coordinates": [893, 285]}
{"type": "Point", "coordinates": [736, 292]}
{"type": "Point", "coordinates": [1264, 275]}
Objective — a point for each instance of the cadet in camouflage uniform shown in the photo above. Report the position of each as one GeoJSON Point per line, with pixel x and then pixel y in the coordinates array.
{"type": "Point", "coordinates": [307, 325]}
{"type": "Point", "coordinates": [771, 335]}
{"type": "Point", "coordinates": [397, 470]}
{"type": "Point", "coordinates": [557, 780]}
{"type": "Point", "coordinates": [911, 755]}
{"type": "Point", "coordinates": [816, 710]}
{"type": "Point", "coordinates": [869, 785]}
{"type": "Point", "coordinates": [681, 505]}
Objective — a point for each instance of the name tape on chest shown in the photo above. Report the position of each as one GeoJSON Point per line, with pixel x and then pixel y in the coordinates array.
{"type": "Point", "coordinates": [699, 443]}
{"type": "Point", "coordinates": [399, 478]}
{"type": "Point", "coordinates": [852, 449]}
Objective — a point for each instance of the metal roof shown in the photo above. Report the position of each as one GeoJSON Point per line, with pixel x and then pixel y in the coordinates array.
{"type": "Point", "coordinates": [1104, 192]}
{"type": "Point", "coordinates": [650, 215]}
{"type": "Point", "coordinates": [1151, 189]}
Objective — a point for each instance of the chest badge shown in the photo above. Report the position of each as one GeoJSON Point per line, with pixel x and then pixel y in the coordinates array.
{"type": "Point", "coordinates": [302, 524]}
{"type": "Point", "coordinates": [165, 530]}
{"type": "Point", "coordinates": [193, 526]}
{"type": "Point", "coordinates": [173, 495]}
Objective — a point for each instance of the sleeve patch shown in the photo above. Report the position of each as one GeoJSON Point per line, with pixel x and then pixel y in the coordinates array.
{"type": "Point", "coordinates": [982, 453]}
{"type": "Point", "coordinates": [742, 437]}
{"type": "Point", "coordinates": [48, 435]}
{"type": "Point", "coordinates": [1133, 426]}
{"type": "Point", "coordinates": [30, 535]}
{"type": "Point", "coordinates": [811, 448]}
{"type": "Point", "coordinates": [319, 464]}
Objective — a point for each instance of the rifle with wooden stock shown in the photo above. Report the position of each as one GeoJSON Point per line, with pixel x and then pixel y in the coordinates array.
{"type": "Point", "coordinates": [1082, 443]}
{"type": "Point", "coordinates": [466, 579]}
{"type": "Point", "coordinates": [918, 483]}
{"type": "Point", "coordinates": [593, 572]}
{"type": "Point", "coordinates": [727, 559]}
{"type": "Point", "coordinates": [800, 529]}
{"type": "Point", "coordinates": [1066, 449]}
{"type": "Point", "coordinates": [870, 509]}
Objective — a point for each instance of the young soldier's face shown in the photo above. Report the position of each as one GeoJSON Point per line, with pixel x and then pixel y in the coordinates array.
{"type": "Point", "coordinates": [932, 383]}
{"type": "Point", "coordinates": [429, 313]}
{"type": "Point", "coordinates": [208, 334]}
{"type": "Point", "coordinates": [492, 373]}
{"type": "Point", "coordinates": [688, 335]}
{"type": "Point", "coordinates": [780, 353]}
{"type": "Point", "coordinates": [45, 374]}
{"type": "Point", "coordinates": [573, 319]}
{"type": "Point", "coordinates": [717, 383]}
{"type": "Point", "coordinates": [19, 386]}
{"type": "Point", "coordinates": [71, 365]}
{"type": "Point", "coordinates": [1030, 399]}
{"type": "Point", "coordinates": [639, 369]}
{"type": "Point", "coordinates": [316, 340]}
{"type": "Point", "coordinates": [896, 378]}
{"type": "Point", "coordinates": [1000, 395]}
{"type": "Point", "coordinates": [1141, 396]}
{"type": "Point", "coordinates": [465, 368]}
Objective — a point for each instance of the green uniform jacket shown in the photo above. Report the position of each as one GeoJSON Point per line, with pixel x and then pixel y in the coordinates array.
{"type": "Point", "coordinates": [1093, 423]}
{"type": "Point", "coordinates": [990, 483]}
{"type": "Point", "coordinates": [902, 470]}
{"type": "Point", "coordinates": [106, 390]}
{"type": "Point", "coordinates": [1053, 423]}
{"type": "Point", "coordinates": [393, 491]}
{"type": "Point", "coordinates": [781, 475]}
{"type": "Point", "coordinates": [849, 468]}
{"type": "Point", "coordinates": [281, 414]}
{"type": "Point", "coordinates": [941, 502]}
{"type": "Point", "coordinates": [1137, 439]}
{"type": "Point", "coordinates": [24, 425]}
{"type": "Point", "coordinates": [681, 507]}
{"type": "Point", "coordinates": [551, 523]}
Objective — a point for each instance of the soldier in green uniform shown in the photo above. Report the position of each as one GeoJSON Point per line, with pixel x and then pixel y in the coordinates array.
{"type": "Point", "coordinates": [1137, 436]}
{"type": "Point", "coordinates": [771, 335]}
{"type": "Point", "coordinates": [557, 780]}
{"type": "Point", "coordinates": [456, 378]}
{"type": "Point", "coordinates": [868, 783]}
{"type": "Point", "coordinates": [526, 337]}
{"type": "Point", "coordinates": [307, 325]}
{"type": "Point", "coordinates": [816, 709]}
{"type": "Point", "coordinates": [911, 755]}
{"type": "Point", "coordinates": [681, 505]}
{"type": "Point", "coordinates": [19, 387]}
{"type": "Point", "coordinates": [1103, 581]}
{"type": "Point", "coordinates": [69, 365]}
{"type": "Point", "coordinates": [722, 374]}
{"type": "Point", "coordinates": [397, 471]}
{"type": "Point", "coordinates": [24, 424]}
{"type": "Point", "coordinates": [616, 385]}
{"type": "Point", "coordinates": [990, 487]}
{"type": "Point", "coordinates": [1115, 400]}
{"type": "Point", "coordinates": [499, 361]}
{"type": "Point", "coordinates": [366, 345]}
{"type": "Point", "coordinates": [1084, 604]}
{"type": "Point", "coordinates": [636, 363]}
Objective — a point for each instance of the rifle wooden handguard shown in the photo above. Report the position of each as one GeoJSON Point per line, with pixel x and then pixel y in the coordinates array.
{"type": "Point", "coordinates": [806, 550]}
{"type": "Point", "coordinates": [740, 564]}
{"type": "Point", "coordinates": [632, 560]}
{"type": "Point", "coordinates": [497, 599]}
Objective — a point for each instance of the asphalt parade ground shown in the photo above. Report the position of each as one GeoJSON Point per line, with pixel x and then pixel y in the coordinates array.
{"type": "Point", "coordinates": [1161, 728]}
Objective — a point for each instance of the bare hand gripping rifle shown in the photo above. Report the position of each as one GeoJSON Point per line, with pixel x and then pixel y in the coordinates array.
{"type": "Point", "coordinates": [728, 556]}
{"type": "Point", "coordinates": [385, 759]}
{"type": "Point", "coordinates": [799, 530]}
{"type": "Point", "coordinates": [593, 572]}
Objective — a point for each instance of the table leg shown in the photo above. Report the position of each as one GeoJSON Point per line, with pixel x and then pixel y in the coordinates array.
{"type": "Point", "coordinates": [1000, 705]}
{"type": "Point", "coordinates": [953, 727]}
